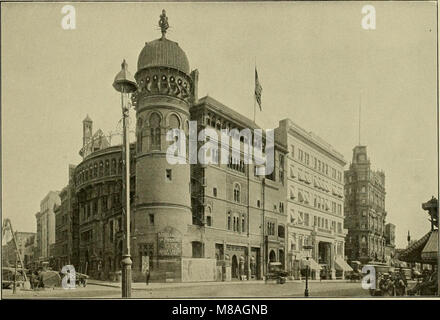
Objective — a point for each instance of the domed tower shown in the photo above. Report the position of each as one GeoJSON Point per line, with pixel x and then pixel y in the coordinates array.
{"type": "Point", "coordinates": [163, 200]}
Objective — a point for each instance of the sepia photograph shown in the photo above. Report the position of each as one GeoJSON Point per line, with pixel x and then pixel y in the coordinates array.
{"type": "Point", "coordinates": [219, 150]}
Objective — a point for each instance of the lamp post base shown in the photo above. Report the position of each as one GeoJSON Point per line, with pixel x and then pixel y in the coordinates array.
{"type": "Point", "coordinates": [126, 276]}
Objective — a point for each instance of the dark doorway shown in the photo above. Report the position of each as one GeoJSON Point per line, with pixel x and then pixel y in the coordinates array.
{"type": "Point", "coordinates": [234, 267]}
{"type": "Point", "coordinates": [256, 265]}
{"type": "Point", "coordinates": [272, 256]}
{"type": "Point", "coordinates": [281, 257]}
{"type": "Point", "coordinates": [324, 252]}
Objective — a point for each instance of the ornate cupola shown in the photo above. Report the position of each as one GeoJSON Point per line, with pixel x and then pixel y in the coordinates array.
{"type": "Point", "coordinates": [163, 68]}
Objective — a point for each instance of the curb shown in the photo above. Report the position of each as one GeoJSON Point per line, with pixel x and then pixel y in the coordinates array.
{"type": "Point", "coordinates": [194, 284]}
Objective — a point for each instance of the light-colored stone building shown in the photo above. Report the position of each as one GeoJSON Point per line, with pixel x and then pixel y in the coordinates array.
{"type": "Point", "coordinates": [46, 225]}
{"type": "Point", "coordinates": [315, 201]}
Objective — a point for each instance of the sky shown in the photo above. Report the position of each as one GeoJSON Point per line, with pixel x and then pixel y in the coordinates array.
{"type": "Point", "coordinates": [315, 62]}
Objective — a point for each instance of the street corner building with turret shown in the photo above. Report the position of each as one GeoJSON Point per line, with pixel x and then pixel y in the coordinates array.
{"type": "Point", "coordinates": [365, 214]}
{"type": "Point", "coordinates": [199, 222]}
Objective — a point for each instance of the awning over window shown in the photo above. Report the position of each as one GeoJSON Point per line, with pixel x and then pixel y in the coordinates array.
{"type": "Point", "coordinates": [342, 265]}
{"type": "Point", "coordinates": [312, 264]}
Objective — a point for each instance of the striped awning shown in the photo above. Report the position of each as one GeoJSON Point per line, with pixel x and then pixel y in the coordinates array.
{"type": "Point", "coordinates": [424, 250]}
{"type": "Point", "coordinates": [342, 265]}
{"type": "Point", "coordinates": [430, 251]}
{"type": "Point", "coordinates": [311, 263]}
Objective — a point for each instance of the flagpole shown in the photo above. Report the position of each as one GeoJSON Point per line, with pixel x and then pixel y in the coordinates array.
{"type": "Point", "coordinates": [255, 103]}
{"type": "Point", "coordinates": [255, 98]}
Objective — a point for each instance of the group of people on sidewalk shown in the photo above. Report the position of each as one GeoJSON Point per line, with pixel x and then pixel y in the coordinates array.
{"type": "Point", "coordinates": [428, 286]}
{"type": "Point", "coordinates": [393, 284]}
{"type": "Point", "coordinates": [396, 284]}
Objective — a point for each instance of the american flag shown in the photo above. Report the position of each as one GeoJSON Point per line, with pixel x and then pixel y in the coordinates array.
{"type": "Point", "coordinates": [258, 89]}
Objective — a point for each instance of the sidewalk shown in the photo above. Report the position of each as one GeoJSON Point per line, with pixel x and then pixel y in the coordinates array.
{"type": "Point", "coordinates": [163, 285]}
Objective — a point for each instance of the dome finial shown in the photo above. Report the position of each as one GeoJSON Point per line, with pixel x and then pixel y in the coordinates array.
{"type": "Point", "coordinates": [163, 23]}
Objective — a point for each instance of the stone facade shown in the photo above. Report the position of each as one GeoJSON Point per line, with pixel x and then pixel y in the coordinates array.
{"type": "Point", "coordinates": [46, 225]}
{"type": "Point", "coordinates": [364, 209]}
{"type": "Point", "coordinates": [97, 213]}
{"type": "Point", "coordinates": [315, 200]}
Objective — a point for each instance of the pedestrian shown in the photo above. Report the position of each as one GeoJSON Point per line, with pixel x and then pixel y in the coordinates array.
{"type": "Point", "coordinates": [147, 276]}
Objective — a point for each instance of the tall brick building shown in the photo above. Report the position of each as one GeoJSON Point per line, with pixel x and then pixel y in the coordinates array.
{"type": "Point", "coordinates": [364, 209]}
{"type": "Point", "coordinates": [66, 226]}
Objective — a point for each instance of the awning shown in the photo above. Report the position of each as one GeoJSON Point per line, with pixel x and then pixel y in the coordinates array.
{"type": "Point", "coordinates": [430, 251]}
{"type": "Point", "coordinates": [424, 250]}
{"type": "Point", "coordinates": [342, 265]}
{"type": "Point", "coordinates": [312, 264]}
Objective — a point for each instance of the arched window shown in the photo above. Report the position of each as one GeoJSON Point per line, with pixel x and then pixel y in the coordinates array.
{"type": "Point", "coordinates": [209, 217]}
{"type": "Point", "coordinates": [174, 121]}
{"type": "Point", "coordinates": [107, 168]}
{"type": "Point", "coordinates": [237, 192]}
{"type": "Point", "coordinates": [155, 131]}
{"type": "Point", "coordinates": [95, 170]}
{"type": "Point", "coordinates": [113, 166]}
{"type": "Point", "coordinates": [229, 220]}
{"type": "Point", "coordinates": [140, 123]}
{"type": "Point", "coordinates": [120, 166]}
{"type": "Point", "coordinates": [101, 168]}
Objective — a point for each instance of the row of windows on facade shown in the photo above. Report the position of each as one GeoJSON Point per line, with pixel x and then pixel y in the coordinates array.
{"type": "Point", "coordinates": [303, 218]}
{"type": "Point", "coordinates": [298, 242]}
{"type": "Point", "coordinates": [155, 124]}
{"type": "Point", "coordinates": [352, 177]}
{"type": "Point", "coordinates": [318, 183]}
{"type": "Point", "coordinates": [61, 236]}
{"type": "Point", "coordinates": [99, 169]}
{"type": "Point", "coordinates": [374, 197]}
{"type": "Point", "coordinates": [234, 223]}
{"type": "Point", "coordinates": [216, 124]}
{"type": "Point", "coordinates": [373, 225]}
{"type": "Point", "coordinates": [61, 220]}
{"type": "Point", "coordinates": [237, 198]}
{"type": "Point", "coordinates": [214, 157]}
{"type": "Point", "coordinates": [91, 208]}
{"type": "Point", "coordinates": [315, 163]}
{"type": "Point", "coordinates": [271, 231]}
{"type": "Point", "coordinates": [114, 225]}
{"type": "Point", "coordinates": [318, 202]}
{"type": "Point", "coordinates": [362, 240]}
{"type": "Point", "coordinates": [365, 202]}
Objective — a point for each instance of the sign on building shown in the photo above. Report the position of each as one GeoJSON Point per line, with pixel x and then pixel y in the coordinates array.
{"type": "Point", "coordinates": [145, 263]}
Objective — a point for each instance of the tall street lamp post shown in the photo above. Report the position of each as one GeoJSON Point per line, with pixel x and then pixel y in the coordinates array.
{"type": "Point", "coordinates": [306, 291]}
{"type": "Point", "coordinates": [125, 84]}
